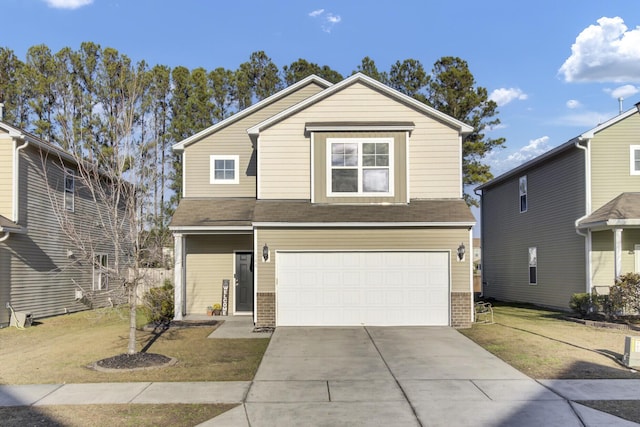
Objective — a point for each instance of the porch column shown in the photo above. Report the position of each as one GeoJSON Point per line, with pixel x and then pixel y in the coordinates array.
{"type": "Point", "coordinates": [178, 255]}
{"type": "Point", "coordinates": [617, 251]}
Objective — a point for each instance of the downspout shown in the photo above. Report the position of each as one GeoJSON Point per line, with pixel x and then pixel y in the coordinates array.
{"type": "Point", "coordinates": [587, 235]}
{"type": "Point", "coordinates": [16, 177]}
{"type": "Point", "coordinates": [481, 241]}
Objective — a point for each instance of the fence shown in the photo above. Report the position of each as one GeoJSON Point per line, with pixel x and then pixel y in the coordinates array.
{"type": "Point", "coordinates": [151, 278]}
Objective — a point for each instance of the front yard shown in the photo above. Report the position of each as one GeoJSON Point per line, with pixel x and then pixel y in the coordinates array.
{"type": "Point", "coordinates": [543, 345]}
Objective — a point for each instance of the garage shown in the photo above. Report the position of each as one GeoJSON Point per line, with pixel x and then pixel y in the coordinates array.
{"type": "Point", "coordinates": [352, 288]}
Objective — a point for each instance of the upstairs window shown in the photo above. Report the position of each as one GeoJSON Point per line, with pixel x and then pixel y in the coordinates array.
{"type": "Point", "coordinates": [524, 205]}
{"type": "Point", "coordinates": [224, 170]}
{"type": "Point", "coordinates": [69, 189]}
{"type": "Point", "coordinates": [360, 166]}
{"type": "Point", "coordinates": [634, 156]}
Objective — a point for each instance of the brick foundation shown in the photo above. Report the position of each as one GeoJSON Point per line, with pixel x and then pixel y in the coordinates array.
{"type": "Point", "coordinates": [266, 310]}
{"type": "Point", "coordinates": [461, 303]}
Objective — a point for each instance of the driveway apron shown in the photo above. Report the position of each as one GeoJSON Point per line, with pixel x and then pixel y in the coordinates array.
{"type": "Point", "coordinates": [400, 376]}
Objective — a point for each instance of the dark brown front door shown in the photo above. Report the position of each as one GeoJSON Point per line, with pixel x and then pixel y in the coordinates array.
{"type": "Point", "coordinates": [244, 281]}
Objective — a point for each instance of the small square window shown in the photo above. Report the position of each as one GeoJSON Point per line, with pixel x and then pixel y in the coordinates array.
{"type": "Point", "coordinates": [224, 169]}
{"type": "Point", "coordinates": [634, 160]}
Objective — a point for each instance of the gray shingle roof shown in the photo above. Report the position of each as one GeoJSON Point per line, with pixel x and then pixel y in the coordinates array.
{"type": "Point", "coordinates": [624, 207]}
{"type": "Point", "coordinates": [7, 223]}
{"type": "Point", "coordinates": [244, 212]}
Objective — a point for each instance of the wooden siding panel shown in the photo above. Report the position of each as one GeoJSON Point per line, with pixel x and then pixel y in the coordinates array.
{"type": "Point", "coordinates": [6, 177]}
{"type": "Point", "coordinates": [232, 140]}
{"type": "Point", "coordinates": [610, 161]}
{"type": "Point", "coordinates": [434, 146]}
{"type": "Point", "coordinates": [556, 193]}
{"type": "Point", "coordinates": [436, 239]}
{"type": "Point", "coordinates": [209, 260]}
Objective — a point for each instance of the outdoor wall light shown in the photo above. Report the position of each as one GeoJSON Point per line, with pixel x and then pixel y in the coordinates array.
{"type": "Point", "coordinates": [461, 251]}
{"type": "Point", "coordinates": [265, 252]}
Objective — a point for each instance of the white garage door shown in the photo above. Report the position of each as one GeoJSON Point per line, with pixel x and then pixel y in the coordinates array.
{"type": "Point", "coordinates": [362, 288]}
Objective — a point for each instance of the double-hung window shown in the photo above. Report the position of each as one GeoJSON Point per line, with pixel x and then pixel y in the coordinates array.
{"type": "Point", "coordinates": [360, 166]}
{"type": "Point", "coordinates": [522, 188]}
{"type": "Point", "coordinates": [224, 170]}
{"type": "Point", "coordinates": [634, 155]}
{"type": "Point", "coordinates": [69, 189]}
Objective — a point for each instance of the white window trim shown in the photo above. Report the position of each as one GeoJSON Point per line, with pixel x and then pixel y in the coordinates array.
{"type": "Point", "coordinates": [212, 169]}
{"type": "Point", "coordinates": [98, 271]}
{"type": "Point", "coordinates": [360, 141]}
{"type": "Point", "coordinates": [524, 193]}
{"type": "Point", "coordinates": [69, 173]}
{"type": "Point", "coordinates": [632, 157]}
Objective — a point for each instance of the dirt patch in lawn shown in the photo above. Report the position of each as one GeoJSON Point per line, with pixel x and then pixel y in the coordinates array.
{"type": "Point", "coordinates": [60, 350]}
{"type": "Point", "coordinates": [179, 415]}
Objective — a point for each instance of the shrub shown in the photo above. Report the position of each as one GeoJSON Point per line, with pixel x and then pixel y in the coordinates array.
{"type": "Point", "coordinates": [625, 294]}
{"type": "Point", "coordinates": [158, 303]}
{"type": "Point", "coordinates": [582, 304]}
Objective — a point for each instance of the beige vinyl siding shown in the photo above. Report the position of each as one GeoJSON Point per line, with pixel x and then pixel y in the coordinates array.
{"type": "Point", "coordinates": [434, 148]}
{"type": "Point", "coordinates": [209, 260]}
{"type": "Point", "coordinates": [436, 239]}
{"type": "Point", "coordinates": [399, 167]}
{"type": "Point", "coordinates": [610, 161]}
{"type": "Point", "coordinates": [602, 255]}
{"type": "Point", "coordinates": [556, 193]}
{"type": "Point", "coordinates": [6, 177]}
{"type": "Point", "coordinates": [41, 274]}
{"type": "Point", "coordinates": [232, 140]}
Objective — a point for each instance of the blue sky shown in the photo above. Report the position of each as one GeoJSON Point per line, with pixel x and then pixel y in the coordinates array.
{"type": "Point", "coordinates": [556, 68]}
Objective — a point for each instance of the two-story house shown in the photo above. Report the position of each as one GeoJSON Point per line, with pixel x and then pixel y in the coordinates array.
{"type": "Point", "coordinates": [41, 271]}
{"type": "Point", "coordinates": [327, 205]}
{"type": "Point", "coordinates": [567, 221]}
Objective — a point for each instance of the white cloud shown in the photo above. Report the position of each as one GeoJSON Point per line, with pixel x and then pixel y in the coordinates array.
{"type": "Point", "coordinates": [573, 104]}
{"type": "Point", "coordinates": [68, 4]}
{"type": "Point", "coordinates": [500, 164]}
{"type": "Point", "coordinates": [327, 19]}
{"type": "Point", "coordinates": [503, 96]}
{"type": "Point", "coordinates": [624, 91]}
{"type": "Point", "coordinates": [607, 52]}
{"type": "Point", "coordinates": [586, 120]}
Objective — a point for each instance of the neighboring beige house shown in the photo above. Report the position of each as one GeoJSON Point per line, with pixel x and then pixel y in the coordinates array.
{"type": "Point", "coordinates": [567, 221]}
{"type": "Point", "coordinates": [327, 205]}
{"type": "Point", "coordinates": [40, 270]}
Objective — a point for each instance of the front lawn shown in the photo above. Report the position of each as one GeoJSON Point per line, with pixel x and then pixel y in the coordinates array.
{"type": "Point", "coordinates": [59, 349]}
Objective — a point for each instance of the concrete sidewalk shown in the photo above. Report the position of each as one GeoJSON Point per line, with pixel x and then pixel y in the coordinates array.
{"type": "Point", "coordinates": [365, 376]}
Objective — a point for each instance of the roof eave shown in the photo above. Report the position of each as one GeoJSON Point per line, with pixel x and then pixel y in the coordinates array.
{"type": "Point", "coordinates": [180, 146]}
{"type": "Point", "coordinates": [461, 126]}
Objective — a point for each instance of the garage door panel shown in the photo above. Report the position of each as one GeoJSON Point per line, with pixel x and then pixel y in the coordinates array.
{"type": "Point", "coordinates": [362, 288]}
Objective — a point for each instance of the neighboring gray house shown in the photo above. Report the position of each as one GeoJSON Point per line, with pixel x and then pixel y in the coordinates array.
{"type": "Point", "coordinates": [567, 221]}
{"type": "Point", "coordinates": [40, 270]}
{"type": "Point", "coordinates": [327, 205]}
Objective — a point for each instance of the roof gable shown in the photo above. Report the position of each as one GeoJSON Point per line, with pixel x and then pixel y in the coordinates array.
{"type": "Point", "coordinates": [179, 146]}
{"type": "Point", "coordinates": [372, 83]}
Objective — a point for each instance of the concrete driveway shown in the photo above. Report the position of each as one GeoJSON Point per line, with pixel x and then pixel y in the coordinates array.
{"type": "Point", "coordinates": [400, 376]}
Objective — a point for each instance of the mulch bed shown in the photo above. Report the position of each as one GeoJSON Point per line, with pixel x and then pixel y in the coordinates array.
{"type": "Point", "coordinates": [143, 360]}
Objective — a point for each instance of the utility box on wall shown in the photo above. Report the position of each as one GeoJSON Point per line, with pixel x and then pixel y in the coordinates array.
{"type": "Point", "coordinates": [631, 351]}
{"type": "Point", "coordinates": [20, 319]}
